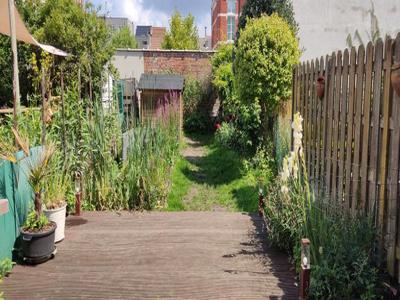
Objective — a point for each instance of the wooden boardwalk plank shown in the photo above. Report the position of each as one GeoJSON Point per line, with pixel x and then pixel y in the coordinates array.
{"type": "Point", "coordinates": [159, 256]}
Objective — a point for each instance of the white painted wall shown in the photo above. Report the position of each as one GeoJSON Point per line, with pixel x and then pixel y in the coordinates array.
{"type": "Point", "coordinates": [130, 64]}
{"type": "Point", "coordinates": [325, 24]}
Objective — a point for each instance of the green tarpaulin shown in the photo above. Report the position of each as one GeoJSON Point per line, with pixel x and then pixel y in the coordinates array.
{"type": "Point", "coordinates": [14, 186]}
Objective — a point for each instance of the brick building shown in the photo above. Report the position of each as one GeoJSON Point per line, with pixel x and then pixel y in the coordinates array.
{"type": "Point", "coordinates": [225, 17]}
{"type": "Point", "coordinates": [150, 37]}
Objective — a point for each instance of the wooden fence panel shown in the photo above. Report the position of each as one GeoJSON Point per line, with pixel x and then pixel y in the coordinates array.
{"type": "Point", "coordinates": [319, 127]}
{"type": "Point", "coordinates": [308, 104]}
{"type": "Point", "coordinates": [329, 123]}
{"type": "Point", "coordinates": [352, 135]}
{"type": "Point", "coordinates": [350, 130]}
{"type": "Point", "coordinates": [375, 127]}
{"type": "Point", "coordinates": [314, 125]}
{"type": "Point", "coordinates": [366, 126]}
{"type": "Point", "coordinates": [393, 172]}
{"type": "Point", "coordinates": [385, 136]}
{"type": "Point", "coordinates": [357, 129]}
{"type": "Point", "coordinates": [336, 124]}
{"type": "Point", "coordinates": [396, 222]}
{"type": "Point", "coordinates": [343, 122]}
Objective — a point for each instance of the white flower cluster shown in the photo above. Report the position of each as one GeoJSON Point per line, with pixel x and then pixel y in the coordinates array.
{"type": "Point", "coordinates": [291, 162]}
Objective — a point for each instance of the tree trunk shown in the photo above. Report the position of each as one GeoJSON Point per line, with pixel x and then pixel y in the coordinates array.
{"type": "Point", "coordinates": [38, 204]}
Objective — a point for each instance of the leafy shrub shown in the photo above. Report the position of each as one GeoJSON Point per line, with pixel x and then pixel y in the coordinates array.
{"type": "Point", "coordinates": [342, 246]}
{"type": "Point", "coordinates": [230, 136]}
{"type": "Point", "coordinates": [266, 52]}
{"type": "Point", "coordinates": [6, 266]}
{"type": "Point", "coordinates": [344, 267]}
{"type": "Point", "coordinates": [256, 8]}
{"type": "Point", "coordinates": [198, 105]}
{"type": "Point", "coordinates": [225, 135]}
{"type": "Point", "coordinates": [223, 72]}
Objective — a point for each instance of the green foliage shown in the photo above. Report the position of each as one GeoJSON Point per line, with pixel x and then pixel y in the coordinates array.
{"type": "Point", "coordinates": [257, 8]}
{"type": "Point", "coordinates": [34, 222]}
{"type": "Point", "coordinates": [343, 266]}
{"type": "Point", "coordinates": [223, 72]}
{"type": "Point", "coordinates": [6, 266]}
{"type": "Point", "coordinates": [267, 50]}
{"type": "Point", "coordinates": [140, 182]}
{"type": "Point", "coordinates": [182, 34]}
{"type": "Point", "coordinates": [63, 24]}
{"type": "Point", "coordinates": [197, 106]}
{"type": "Point", "coordinates": [342, 245]}
{"type": "Point", "coordinates": [123, 38]}
{"type": "Point", "coordinates": [226, 135]}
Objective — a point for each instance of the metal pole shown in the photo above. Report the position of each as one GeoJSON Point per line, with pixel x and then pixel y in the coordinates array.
{"type": "Point", "coordinates": [13, 33]}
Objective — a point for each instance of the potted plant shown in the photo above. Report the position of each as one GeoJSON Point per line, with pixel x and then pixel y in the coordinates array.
{"type": "Point", "coordinates": [55, 206]}
{"type": "Point", "coordinates": [38, 233]}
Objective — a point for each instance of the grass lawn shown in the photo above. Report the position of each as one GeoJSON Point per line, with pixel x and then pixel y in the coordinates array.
{"type": "Point", "coordinates": [209, 177]}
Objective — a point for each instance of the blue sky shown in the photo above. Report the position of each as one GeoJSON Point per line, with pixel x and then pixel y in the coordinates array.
{"type": "Point", "coordinates": [158, 12]}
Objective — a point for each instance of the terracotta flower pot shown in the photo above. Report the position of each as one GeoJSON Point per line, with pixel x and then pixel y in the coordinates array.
{"type": "Point", "coordinates": [395, 78]}
{"type": "Point", "coordinates": [320, 84]}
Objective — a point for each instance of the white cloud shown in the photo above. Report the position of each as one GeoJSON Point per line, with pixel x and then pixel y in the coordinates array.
{"type": "Point", "coordinates": [139, 15]}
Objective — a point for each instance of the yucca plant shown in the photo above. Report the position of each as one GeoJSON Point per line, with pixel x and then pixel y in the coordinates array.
{"type": "Point", "coordinates": [39, 171]}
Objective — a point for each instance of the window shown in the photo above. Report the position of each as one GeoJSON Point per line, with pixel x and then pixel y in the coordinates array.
{"type": "Point", "coordinates": [231, 28]}
{"type": "Point", "coordinates": [231, 6]}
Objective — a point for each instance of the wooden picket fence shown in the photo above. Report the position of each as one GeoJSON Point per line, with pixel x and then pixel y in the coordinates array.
{"type": "Point", "coordinates": [352, 135]}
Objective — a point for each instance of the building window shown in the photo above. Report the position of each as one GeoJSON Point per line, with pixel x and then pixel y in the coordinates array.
{"type": "Point", "coordinates": [231, 28]}
{"type": "Point", "coordinates": [231, 6]}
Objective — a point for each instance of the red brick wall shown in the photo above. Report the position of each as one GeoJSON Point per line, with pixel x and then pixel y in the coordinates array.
{"type": "Point", "coordinates": [195, 64]}
{"type": "Point", "coordinates": [219, 23]}
{"type": "Point", "coordinates": [157, 37]}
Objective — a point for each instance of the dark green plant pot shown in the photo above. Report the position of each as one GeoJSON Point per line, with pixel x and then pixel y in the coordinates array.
{"type": "Point", "coordinates": [38, 247]}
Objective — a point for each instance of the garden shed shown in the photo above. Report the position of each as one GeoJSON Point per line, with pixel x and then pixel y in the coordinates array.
{"type": "Point", "coordinates": [154, 89]}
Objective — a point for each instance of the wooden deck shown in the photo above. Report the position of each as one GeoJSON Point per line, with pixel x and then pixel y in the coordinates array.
{"type": "Point", "coordinates": [189, 255]}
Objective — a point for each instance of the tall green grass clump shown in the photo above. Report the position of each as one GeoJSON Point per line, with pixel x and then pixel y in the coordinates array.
{"type": "Point", "coordinates": [342, 245]}
{"type": "Point", "coordinates": [142, 180]}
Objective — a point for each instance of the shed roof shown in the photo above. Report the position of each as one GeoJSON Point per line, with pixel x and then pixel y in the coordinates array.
{"type": "Point", "coordinates": [161, 82]}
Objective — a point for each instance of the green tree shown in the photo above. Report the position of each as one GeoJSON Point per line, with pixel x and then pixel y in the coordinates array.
{"type": "Point", "coordinates": [65, 25]}
{"type": "Point", "coordinates": [266, 53]}
{"type": "Point", "coordinates": [183, 33]}
{"type": "Point", "coordinates": [123, 38]}
{"type": "Point", "coordinates": [256, 8]}
{"type": "Point", "coordinates": [222, 70]}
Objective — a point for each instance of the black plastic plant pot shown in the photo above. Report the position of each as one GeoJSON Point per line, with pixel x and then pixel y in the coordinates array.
{"type": "Point", "coordinates": [38, 247]}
